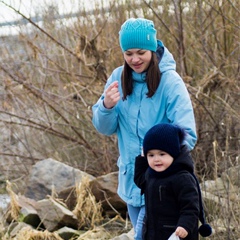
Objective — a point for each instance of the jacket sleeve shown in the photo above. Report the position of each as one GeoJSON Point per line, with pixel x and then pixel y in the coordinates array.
{"type": "Point", "coordinates": [141, 166]}
{"type": "Point", "coordinates": [188, 199]}
{"type": "Point", "coordinates": [179, 107]}
{"type": "Point", "coordinates": [104, 120]}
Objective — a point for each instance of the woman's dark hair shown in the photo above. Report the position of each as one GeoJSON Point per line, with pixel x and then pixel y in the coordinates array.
{"type": "Point", "coordinates": [153, 78]}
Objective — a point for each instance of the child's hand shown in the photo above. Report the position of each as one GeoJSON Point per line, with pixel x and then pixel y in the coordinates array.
{"type": "Point", "coordinates": [181, 232]}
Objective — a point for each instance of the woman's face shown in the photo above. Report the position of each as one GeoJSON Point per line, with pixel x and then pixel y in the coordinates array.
{"type": "Point", "coordinates": [138, 59]}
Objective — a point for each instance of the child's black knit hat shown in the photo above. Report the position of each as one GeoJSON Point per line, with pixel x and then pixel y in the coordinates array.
{"type": "Point", "coordinates": [166, 137]}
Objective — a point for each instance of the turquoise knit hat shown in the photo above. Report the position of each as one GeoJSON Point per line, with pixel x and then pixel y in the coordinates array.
{"type": "Point", "coordinates": [138, 33]}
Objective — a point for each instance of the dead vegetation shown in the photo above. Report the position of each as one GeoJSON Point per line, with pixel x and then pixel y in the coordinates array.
{"type": "Point", "coordinates": [87, 210]}
{"type": "Point", "coordinates": [28, 233]}
{"type": "Point", "coordinates": [52, 73]}
{"type": "Point", "coordinates": [13, 202]}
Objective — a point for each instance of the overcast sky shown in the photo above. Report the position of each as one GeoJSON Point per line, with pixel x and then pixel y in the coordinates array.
{"type": "Point", "coordinates": [27, 7]}
{"type": "Point", "coordinates": [30, 7]}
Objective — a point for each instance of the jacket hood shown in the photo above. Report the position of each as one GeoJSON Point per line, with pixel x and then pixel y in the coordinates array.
{"type": "Point", "coordinates": [166, 59]}
{"type": "Point", "coordinates": [184, 161]}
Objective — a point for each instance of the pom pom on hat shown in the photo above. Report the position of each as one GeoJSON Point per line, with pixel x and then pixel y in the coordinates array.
{"type": "Point", "coordinates": [166, 137]}
{"type": "Point", "coordinates": [205, 230]}
{"type": "Point", "coordinates": [138, 33]}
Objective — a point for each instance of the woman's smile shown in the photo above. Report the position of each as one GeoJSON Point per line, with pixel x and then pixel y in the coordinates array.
{"type": "Point", "coordinates": [138, 59]}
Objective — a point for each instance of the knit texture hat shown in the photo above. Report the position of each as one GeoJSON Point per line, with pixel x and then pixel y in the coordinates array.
{"type": "Point", "coordinates": [166, 137]}
{"type": "Point", "coordinates": [138, 33]}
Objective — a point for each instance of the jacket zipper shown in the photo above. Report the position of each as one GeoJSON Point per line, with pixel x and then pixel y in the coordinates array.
{"type": "Point", "coordinates": [160, 193]}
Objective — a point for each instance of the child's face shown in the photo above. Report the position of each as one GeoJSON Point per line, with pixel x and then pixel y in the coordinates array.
{"type": "Point", "coordinates": [159, 160]}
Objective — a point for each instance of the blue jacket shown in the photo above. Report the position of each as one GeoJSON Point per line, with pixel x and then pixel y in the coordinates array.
{"type": "Point", "coordinates": [132, 118]}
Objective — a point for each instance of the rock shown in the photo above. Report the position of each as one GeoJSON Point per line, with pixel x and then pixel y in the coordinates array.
{"type": "Point", "coordinates": [68, 195]}
{"type": "Point", "coordinates": [16, 227]}
{"type": "Point", "coordinates": [125, 236]}
{"type": "Point", "coordinates": [214, 202]}
{"type": "Point", "coordinates": [221, 188]}
{"type": "Point", "coordinates": [232, 175]}
{"type": "Point", "coordinates": [53, 215]}
{"type": "Point", "coordinates": [27, 214]}
{"type": "Point", "coordinates": [104, 188]}
{"type": "Point", "coordinates": [67, 233]}
{"type": "Point", "coordinates": [4, 201]}
{"type": "Point", "coordinates": [49, 177]}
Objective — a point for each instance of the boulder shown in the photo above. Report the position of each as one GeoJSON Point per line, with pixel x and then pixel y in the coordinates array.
{"type": "Point", "coordinates": [104, 188]}
{"type": "Point", "coordinates": [54, 215]}
{"type": "Point", "coordinates": [49, 177]}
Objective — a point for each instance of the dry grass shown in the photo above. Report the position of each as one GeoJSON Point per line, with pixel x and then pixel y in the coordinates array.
{"type": "Point", "coordinates": [96, 233]}
{"type": "Point", "coordinates": [27, 233]}
{"type": "Point", "coordinates": [87, 210]}
{"type": "Point", "coordinates": [14, 207]}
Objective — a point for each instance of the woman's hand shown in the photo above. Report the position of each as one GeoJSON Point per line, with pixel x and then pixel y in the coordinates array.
{"type": "Point", "coordinates": [181, 232]}
{"type": "Point", "coordinates": [112, 95]}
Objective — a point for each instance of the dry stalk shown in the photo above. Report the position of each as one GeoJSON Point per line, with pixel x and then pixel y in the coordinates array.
{"type": "Point", "coordinates": [14, 207]}
{"type": "Point", "coordinates": [87, 210]}
{"type": "Point", "coordinates": [215, 160]}
{"type": "Point", "coordinates": [31, 234]}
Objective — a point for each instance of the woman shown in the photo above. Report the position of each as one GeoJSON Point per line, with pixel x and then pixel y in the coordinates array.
{"type": "Point", "coordinates": [145, 91]}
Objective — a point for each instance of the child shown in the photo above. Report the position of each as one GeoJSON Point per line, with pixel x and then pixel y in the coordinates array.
{"type": "Point", "coordinates": [165, 174]}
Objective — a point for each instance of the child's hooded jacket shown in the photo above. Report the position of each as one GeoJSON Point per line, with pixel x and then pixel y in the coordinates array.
{"type": "Point", "coordinates": [171, 196]}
